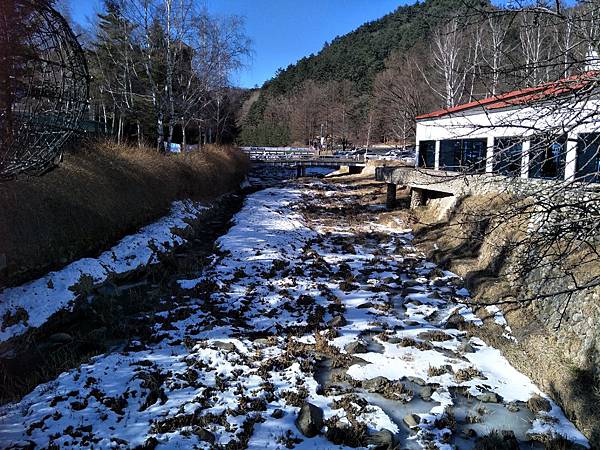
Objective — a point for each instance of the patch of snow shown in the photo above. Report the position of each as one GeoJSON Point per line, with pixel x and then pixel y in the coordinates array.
{"type": "Point", "coordinates": [58, 290]}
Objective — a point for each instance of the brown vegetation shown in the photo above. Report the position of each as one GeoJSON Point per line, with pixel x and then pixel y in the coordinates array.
{"type": "Point", "coordinates": [555, 346]}
{"type": "Point", "coordinates": [97, 196]}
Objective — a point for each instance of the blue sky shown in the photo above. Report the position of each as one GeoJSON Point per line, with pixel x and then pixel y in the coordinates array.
{"type": "Point", "coordinates": [282, 31]}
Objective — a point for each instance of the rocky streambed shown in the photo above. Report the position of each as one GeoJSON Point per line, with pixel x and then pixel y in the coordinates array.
{"type": "Point", "coordinates": [314, 324]}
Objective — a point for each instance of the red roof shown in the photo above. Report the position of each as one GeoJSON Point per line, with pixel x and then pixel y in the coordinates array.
{"type": "Point", "coordinates": [523, 96]}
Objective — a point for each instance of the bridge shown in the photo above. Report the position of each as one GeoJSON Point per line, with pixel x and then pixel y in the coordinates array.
{"type": "Point", "coordinates": [301, 158]}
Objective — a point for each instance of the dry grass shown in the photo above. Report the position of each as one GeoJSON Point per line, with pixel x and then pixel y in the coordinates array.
{"type": "Point", "coordinates": [97, 195]}
{"type": "Point", "coordinates": [559, 360]}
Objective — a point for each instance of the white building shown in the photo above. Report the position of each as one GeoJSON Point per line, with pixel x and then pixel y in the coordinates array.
{"type": "Point", "coordinates": [551, 131]}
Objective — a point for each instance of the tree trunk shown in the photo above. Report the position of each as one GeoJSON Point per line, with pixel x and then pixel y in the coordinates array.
{"type": "Point", "coordinates": [161, 133]}
{"type": "Point", "coordinates": [120, 131]}
{"type": "Point", "coordinates": [139, 133]}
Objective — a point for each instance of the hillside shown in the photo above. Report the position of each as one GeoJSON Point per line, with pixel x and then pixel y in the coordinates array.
{"type": "Point", "coordinates": [357, 56]}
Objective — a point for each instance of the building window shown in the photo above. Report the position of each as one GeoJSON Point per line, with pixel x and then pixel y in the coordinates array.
{"type": "Point", "coordinates": [426, 154]}
{"type": "Point", "coordinates": [547, 158]}
{"type": "Point", "coordinates": [463, 155]}
{"type": "Point", "coordinates": [508, 153]}
{"type": "Point", "coordinates": [588, 158]}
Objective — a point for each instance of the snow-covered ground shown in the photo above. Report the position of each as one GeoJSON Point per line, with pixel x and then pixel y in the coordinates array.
{"type": "Point", "coordinates": [33, 303]}
{"type": "Point", "coordinates": [303, 302]}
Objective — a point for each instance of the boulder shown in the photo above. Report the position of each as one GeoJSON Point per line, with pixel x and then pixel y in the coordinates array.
{"type": "Point", "coordinates": [377, 384]}
{"type": "Point", "coordinates": [466, 347]}
{"type": "Point", "coordinates": [365, 305]}
{"type": "Point", "coordinates": [471, 433]}
{"type": "Point", "coordinates": [513, 407]}
{"type": "Point", "coordinates": [436, 273]}
{"type": "Point", "coordinates": [426, 393]}
{"type": "Point", "coordinates": [456, 321]}
{"type": "Point", "coordinates": [489, 397]}
{"type": "Point", "coordinates": [227, 346]}
{"type": "Point", "coordinates": [278, 413]}
{"type": "Point", "coordinates": [356, 347]}
{"type": "Point", "coordinates": [337, 322]}
{"type": "Point", "coordinates": [204, 435]}
{"type": "Point", "coordinates": [310, 420]}
{"type": "Point", "coordinates": [382, 440]}
{"type": "Point", "coordinates": [417, 380]}
{"type": "Point", "coordinates": [412, 420]}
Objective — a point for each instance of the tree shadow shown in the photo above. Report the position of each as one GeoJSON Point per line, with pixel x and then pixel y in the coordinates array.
{"type": "Point", "coordinates": [580, 396]}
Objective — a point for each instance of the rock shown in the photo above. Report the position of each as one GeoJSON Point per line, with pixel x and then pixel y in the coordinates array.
{"type": "Point", "coordinates": [150, 444]}
{"type": "Point", "coordinates": [365, 305]}
{"type": "Point", "coordinates": [537, 403]}
{"type": "Point", "coordinates": [382, 440]}
{"type": "Point", "coordinates": [98, 335]}
{"type": "Point", "coordinates": [337, 322]}
{"type": "Point", "coordinates": [417, 380]}
{"type": "Point", "coordinates": [456, 321]}
{"type": "Point", "coordinates": [60, 338]}
{"type": "Point", "coordinates": [377, 384]}
{"type": "Point", "coordinates": [227, 346]}
{"type": "Point", "coordinates": [436, 273]}
{"type": "Point", "coordinates": [204, 435]}
{"type": "Point", "coordinates": [411, 283]}
{"type": "Point", "coordinates": [471, 433]}
{"type": "Point", "coordinates": [356, 347]}
{"type": "Point", "coordinates": [435, 295]}
{"type": "Point", "coordinates": [412, 420]}
{"type": "Point", "coordinates": [278, 413]}
{"type": "Point", "coordinates": [411, 290]}
{"type": "Point", "coordinates": [310, 420]}
{"type": "Point", "coordinates": [513, 407]}
{"type": "Point", "coordinates": [489, 397]}
{"type": "Point", "coordinates": [426, 393]}
{"type": "Point", "coordinates": [466, 347]}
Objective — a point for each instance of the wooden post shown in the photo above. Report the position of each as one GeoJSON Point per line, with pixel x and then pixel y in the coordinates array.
{"type": "Point", "coordinates": [390, 201]}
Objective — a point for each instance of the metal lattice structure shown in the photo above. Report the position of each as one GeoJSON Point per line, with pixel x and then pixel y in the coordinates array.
{"type": "Point", "coordinates": [44, 86]}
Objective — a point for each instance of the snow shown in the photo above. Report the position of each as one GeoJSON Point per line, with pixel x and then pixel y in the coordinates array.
{"type": "Point", "coordinates": [58, 290]}
{"type": "Point", "coordinates": [248, 346]}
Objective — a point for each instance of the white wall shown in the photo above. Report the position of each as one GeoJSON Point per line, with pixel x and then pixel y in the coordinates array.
{"type": "Point", "coordinates": [575, 118]}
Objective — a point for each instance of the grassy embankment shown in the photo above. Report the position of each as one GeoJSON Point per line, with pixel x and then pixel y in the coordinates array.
{"type": "Point", "coordinates": [98, 195]}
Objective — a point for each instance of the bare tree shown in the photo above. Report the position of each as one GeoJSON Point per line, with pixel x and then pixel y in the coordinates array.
{"type": "Point", "coordinates": [450, 62]}
{"type": "Point", "coordinates": [400, 94]}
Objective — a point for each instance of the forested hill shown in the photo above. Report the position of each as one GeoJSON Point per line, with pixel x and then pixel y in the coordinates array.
{"type": "Point", "coordinates": [357, 57]}
{"type": "Point", "coordinates": [360, 54]}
